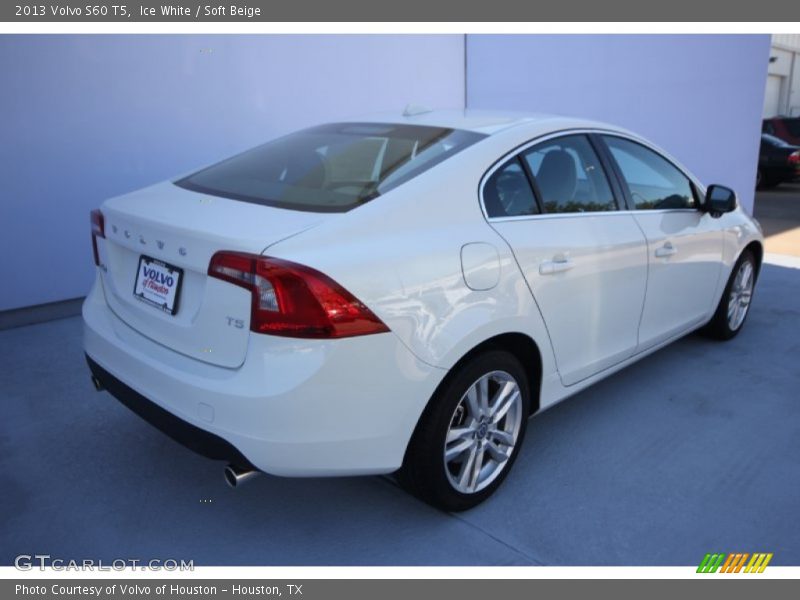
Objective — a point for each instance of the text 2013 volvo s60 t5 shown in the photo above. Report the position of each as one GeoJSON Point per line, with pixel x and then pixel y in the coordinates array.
{"type": "Point", "coordinates": [400, 293]}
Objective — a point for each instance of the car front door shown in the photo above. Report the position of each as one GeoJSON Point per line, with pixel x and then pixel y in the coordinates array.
{"type": "Point", "coordinates": [684, 242]}
{"type": "Point", "coordinates": [584, 260]}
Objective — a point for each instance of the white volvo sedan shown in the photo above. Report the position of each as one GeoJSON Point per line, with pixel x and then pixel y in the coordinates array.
{"type": "Point", "coordinates": [400, 293]}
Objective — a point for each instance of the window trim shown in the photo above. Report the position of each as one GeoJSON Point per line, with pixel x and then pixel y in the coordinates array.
{"type": "Point", "coordinates": [610, 167]}
{"type": "Point", "coordinates": [537, 194]}
{"type": "Point", "coordinates": [629, 201]}
{"type": "Point", "coordinates": [526, 173]}
{"type": "Point", "coordinates": [519, 149]}
{"type": "Point", "coordinates": [535, 186]}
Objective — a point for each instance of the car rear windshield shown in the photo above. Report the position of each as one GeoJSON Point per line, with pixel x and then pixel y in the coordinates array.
{"type": "Point", "coordinates": [330, 168]}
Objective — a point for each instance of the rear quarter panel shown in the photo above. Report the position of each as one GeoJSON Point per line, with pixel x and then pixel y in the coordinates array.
{"type": "Point", "coordinates": [401, 255]}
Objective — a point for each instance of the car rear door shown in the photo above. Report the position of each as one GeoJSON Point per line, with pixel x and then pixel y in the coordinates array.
{"type": "Point", "coordinates": [684, 242]}
{"type": "Point", "coordinates": [584, 260]}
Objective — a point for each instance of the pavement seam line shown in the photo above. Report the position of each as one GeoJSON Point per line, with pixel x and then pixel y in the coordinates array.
{"type": "Point", "coordinates": [392, 482]}
{"type": "Point", "coordinates": [511, 547]}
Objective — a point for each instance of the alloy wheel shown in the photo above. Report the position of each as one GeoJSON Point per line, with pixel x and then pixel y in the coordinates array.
{"type": "Point", "coordinates": [483, 432]}
{"type": "Point", "coordinates": [741, 293]}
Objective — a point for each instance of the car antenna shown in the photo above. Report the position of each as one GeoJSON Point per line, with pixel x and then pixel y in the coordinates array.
{"type": "Point", "coordinates": [415, 109]}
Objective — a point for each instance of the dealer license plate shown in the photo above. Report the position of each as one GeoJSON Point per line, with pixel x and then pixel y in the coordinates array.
{"type": "Point", "coordinates": [158, 283]}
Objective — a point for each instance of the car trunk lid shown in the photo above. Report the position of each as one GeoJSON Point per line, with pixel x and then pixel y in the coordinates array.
{"type": "Point", "coordinates": [182, 229]}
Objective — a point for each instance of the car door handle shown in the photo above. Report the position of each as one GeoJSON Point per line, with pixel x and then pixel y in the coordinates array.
{"type": "Point", "coordinates": [559, 264]}
{"type": "Point", "coordinates": [666, 250]}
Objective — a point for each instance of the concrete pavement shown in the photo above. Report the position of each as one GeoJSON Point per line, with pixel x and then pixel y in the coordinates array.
{"type": "Point", "coordinates": [778, 211]}
{"type": "Point", "coordinates": [692, 450]}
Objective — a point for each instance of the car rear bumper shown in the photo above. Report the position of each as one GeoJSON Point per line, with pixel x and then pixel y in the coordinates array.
{"type": "Point", "coordinates": [295, 407]}
{"type": "Point", "coordinates": [196, 439]}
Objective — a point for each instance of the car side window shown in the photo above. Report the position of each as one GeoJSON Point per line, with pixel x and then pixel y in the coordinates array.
{"type": "Point", "coordinates": [508, 192]}
{"type": "Point", "coordinates": [653, 181]}
{"type": "Point", "coordinates": [569, 176]}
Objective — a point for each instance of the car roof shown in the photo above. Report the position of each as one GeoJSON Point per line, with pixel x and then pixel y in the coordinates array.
{"type": "Point", "coordinates": [521, 125]}
{"type": "Point", "coordinates": [488, 122]}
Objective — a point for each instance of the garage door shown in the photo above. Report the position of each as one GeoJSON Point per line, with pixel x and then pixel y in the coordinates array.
{"type": "Point", "coordinates": [772, 97]}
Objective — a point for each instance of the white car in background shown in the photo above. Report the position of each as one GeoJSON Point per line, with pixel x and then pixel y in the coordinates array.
{"type": "Point", "coordinates": [400, 293]}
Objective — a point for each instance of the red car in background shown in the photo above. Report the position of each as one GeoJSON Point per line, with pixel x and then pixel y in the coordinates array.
{"type": "Point", "coordinates": [778, 161]}
{"type": "Point", "coordinates": [785, 128]}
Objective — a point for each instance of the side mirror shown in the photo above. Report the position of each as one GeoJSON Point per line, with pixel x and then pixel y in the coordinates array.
{"type": "Point", "coordinates": [719, 200]}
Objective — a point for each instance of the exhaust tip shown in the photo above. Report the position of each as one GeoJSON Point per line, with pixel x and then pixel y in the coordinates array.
{"type": "Point", "coordinates": [236, 476]}
{"type": "Point", "coordinates": [97, 385]}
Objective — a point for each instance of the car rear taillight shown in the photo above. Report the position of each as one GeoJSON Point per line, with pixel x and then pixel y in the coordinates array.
{"type": "Point", "coordinates": [794, 158]}
{"type": "Point", "coordinates": [294, 300]}
{"type": "Point", "coordinates": [98, 230]}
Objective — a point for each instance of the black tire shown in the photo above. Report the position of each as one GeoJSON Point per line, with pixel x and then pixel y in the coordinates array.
{"type": "Point", "coordinates": [719, 327]}
{"type": "Point", "coordinates": [771, 184]}
{"type": "Point", "coordinates": [424, 472]}
{"type": "Point", "coordinates": [766, 179]}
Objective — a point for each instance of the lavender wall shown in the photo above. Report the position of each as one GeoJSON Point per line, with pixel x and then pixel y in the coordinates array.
{"type": "Point", "coordinates": [698, 96]}
{"type": "Point", "coordinates": [88, 117]}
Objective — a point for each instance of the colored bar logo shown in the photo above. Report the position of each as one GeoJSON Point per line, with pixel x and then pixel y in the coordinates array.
{"type": "Point", "coordinates": [735, 562]}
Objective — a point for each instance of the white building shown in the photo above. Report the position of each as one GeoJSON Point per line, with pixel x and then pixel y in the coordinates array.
{"type": "Point", "coordinates": [782, 96]}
